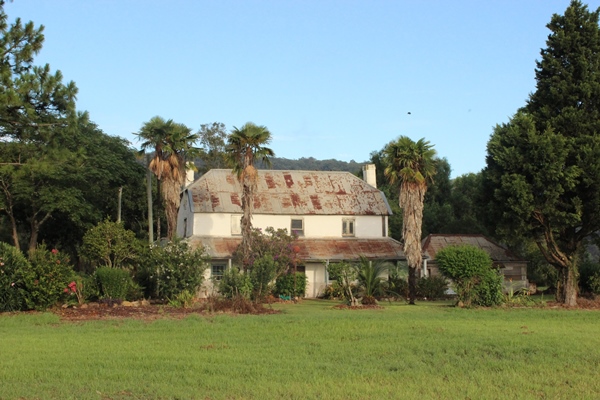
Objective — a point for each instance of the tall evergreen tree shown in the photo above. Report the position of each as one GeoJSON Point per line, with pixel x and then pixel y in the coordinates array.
{"type": "Point", "coordinates": [543, 167]}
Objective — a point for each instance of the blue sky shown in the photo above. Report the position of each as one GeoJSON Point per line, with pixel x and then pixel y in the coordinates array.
{"type": "Point", "coordinates": [329, 78]}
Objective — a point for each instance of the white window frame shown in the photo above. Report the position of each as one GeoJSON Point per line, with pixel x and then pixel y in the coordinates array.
{"type": "Point", "coordinates": [299, 232]}
{"type": "Point", "coordinates": [236, 225]}
{"type": "Point", "coordinates": [348, 227]}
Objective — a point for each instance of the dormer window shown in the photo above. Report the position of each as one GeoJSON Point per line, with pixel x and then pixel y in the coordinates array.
{"type": "Point", "coordinates": [297, 226]}
{"type": "Point", "coordinates": [348, 227]}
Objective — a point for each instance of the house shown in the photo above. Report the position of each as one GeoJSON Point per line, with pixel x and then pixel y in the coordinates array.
{"type": "Point", "coordinates": [336, 215]}
{"type": "Point", "coordinates": [512, 267]}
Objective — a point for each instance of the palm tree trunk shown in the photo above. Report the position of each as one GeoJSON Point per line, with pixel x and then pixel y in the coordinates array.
{"type": "Point", "coordinates": [412, 196]}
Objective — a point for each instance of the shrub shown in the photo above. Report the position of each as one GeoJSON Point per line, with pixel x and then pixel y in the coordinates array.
{"type": "Point", "coordinates": [371, 280]}
{"type": "Point", "coordinates": [397, 284]}
{"type": "Point", "coordinates": [34, 284]}
{"type": "Point", "coordinates": [284, 286]}
{"type": "Point", "coordinates": [166, 271]}
{"type": "Point", "coordinates": [109, 244]}
{"type": "Point", "coordinates": [432, 287]}
{"type": "Point", "coordinates": [345, 274]}
{"type": "Point", "coordinates": [261, 274]}
{"type": "Point", "coordinates": [589, 277]}
{"type": "Point", "coordinates": [470, 268]}
{"type": "Point", "coordinates": [235, 284]}
{"type": "Point", "coordinates": [114, 283]}
{"type": "Point", "coordinates": [15, 276]}
{"type": "Point", "coordinates": [51, 274]}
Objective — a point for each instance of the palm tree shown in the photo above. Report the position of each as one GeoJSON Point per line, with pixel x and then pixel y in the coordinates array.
{"type": "Point", "coordinates": [371, 279]}
{"type": "Point", "coordinates": [172, 144]}
{"type": "Point", "coordinates": [245, 146]}
{"type": "Point", "coordinates": [413, 165]}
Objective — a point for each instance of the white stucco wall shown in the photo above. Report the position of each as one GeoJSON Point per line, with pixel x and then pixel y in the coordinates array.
{"type": "Point", "coordinates": [317, 280]}
{"type": "Point", "coordinates": [315, 226]}
{"type": "Point", "coordinates": [184, 214]}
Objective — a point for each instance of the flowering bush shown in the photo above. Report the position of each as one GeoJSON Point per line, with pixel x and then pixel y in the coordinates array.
{"type": "Point", "coordinates": [37, 283]}
{"type": "Point", "coordinates": [166, 271]}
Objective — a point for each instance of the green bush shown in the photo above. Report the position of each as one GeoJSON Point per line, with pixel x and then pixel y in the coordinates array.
{"type": "Point", "coordinates": [15, 277]}
{"type": "Point", "coordinates": [432, 287]}
{"type": "Point", "coordinates": [235, 284]}
{"type": "Point", "coordinates": [166, 271]}
{"type": "Point", "coordinates": [34, 284]}
{"type": "Point", "coordinates": [109, 244]}
{"type": "Point", "coordinates": [51, 273]}
{"type": "Point", "coordinates": [284, 286]}
{"type": "Point", "coordinates": [261, 274]}
{"type": "Point", "coordinates": [589, 277]}
{"type": "Point", "coordinates": [114, 283]}
{"type": "Point", "coordinates": [470, 268]}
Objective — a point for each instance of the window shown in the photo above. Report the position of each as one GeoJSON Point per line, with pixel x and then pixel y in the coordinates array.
{"type": "Point", "coordinates": [348, 227]}
{"type": "Point", "coordinates": [217, 272]}
{"type": "Point", "coordinates": [236, 225]}
{"type": "Point", "coordinates": [297, 227]}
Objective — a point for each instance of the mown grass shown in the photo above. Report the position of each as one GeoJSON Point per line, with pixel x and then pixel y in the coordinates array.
{"type": "Point", "coordinates": [310, 351]}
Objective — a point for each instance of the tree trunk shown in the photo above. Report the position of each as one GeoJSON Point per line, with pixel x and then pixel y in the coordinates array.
{"type": "Point", "coordinates": [566, 291]}
{"type": "Point", "coordinates": [412, 284]}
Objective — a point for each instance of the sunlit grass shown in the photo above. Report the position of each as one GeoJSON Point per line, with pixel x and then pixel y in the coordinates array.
{"type": "Point", "coordinates": [310, 350]}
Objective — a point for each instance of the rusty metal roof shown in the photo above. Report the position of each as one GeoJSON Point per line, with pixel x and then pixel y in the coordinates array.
{"type": "Point", "coordinates": [313, 249]}
{"type": "Point", "coordinates": [290, 193]}
{"type": "Point", "coordinates": [434, 243]}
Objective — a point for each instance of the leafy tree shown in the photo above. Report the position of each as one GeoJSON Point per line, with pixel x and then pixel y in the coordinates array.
{"type": "Point", "coordinates": [173, 144]}
{"type": "Point", "coordinates": [212, 146]}
{"type": "Point", "coordinates": [413, 165]}
{"type": "Point", "coordinates": [110, 245]}
{"type": "Point", "coordinates": [246, 146]}
{"type": "Point", "coordinates": [543, 167]}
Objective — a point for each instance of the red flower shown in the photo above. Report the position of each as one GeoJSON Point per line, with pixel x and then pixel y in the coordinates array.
{"type": "Point", "coordinates": [66, 290]}
{"type": "Point", "coordinates": [54, 251]}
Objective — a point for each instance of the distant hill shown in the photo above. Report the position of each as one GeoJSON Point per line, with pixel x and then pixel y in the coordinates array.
{"type": "Point", "coordinates": [312, 164]}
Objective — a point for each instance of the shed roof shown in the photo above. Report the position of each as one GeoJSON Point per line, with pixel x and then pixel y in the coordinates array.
{"type": "Point", "coordinates": [313, 249]}
{"type": "Point", "coordinates": [289, 193]}
{"type": "Point", "coordinates": [432, 244]}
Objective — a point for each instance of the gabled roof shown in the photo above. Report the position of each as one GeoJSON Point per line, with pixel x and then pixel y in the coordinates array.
{"type": "Point", "coordinates": [289, 193]}
{"type": "Point", "coordinates": [313, 249]}
{"type": "Point", "coordinates": [498, 253]}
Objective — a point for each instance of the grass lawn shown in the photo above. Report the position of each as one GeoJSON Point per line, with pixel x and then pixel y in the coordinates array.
{"type": "Point", "coordinates": [310, 351]}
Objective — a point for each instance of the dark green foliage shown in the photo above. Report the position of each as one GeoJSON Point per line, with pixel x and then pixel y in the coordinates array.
{"type": "Point", "coordinates": [397, 284]}
{"type": "Point", "coordinates": [51, 273]}
{"type": "Point", "coordinates": [543, 167]}
{"type": "Point", "coordinates": [371, 279]}
{"type": "Point", "coordinates": [470, 268]}
{"type": "Point", "coordinates": [432, 287]}
{"type": "Point", "coordinates": [263, 272]}
{"type": "Point", "coordinates": [110, 245]}
{"type": "Point", "coordinates": [235, 284]}
{"type": "Point", "coordinates": [589, 277]}
{"type": "Point", "coordinates": [285, 284]}
{"type": "Point", "coordinates": [312, 164]}
{"type": "Point", "coordinates": [15, 276]}
{"type": "Point", "coordinates": [114, 283]}
{"type": "Point", "coordinates": [165, 271]}
{"type": "Point", "coordinates": [34, 284]}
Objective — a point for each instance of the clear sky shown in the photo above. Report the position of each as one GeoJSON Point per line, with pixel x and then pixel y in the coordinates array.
{"type": "Point", "coordinates": [329, 78]}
